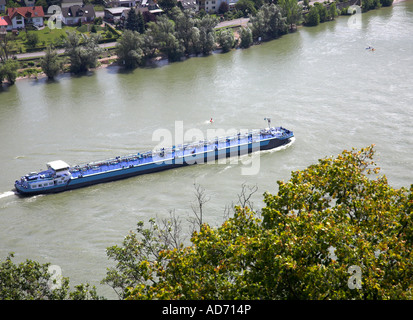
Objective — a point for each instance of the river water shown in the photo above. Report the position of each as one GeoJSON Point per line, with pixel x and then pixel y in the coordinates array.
{"type": "Point", "coordinates": [320, 82]}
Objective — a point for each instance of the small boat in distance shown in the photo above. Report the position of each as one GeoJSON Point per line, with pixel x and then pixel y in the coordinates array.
{"type": "Point", "coordinates": [59, 176]}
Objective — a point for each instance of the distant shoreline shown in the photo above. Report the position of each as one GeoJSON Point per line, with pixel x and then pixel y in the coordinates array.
{"type": "Point", "coordinates": [104, 62]}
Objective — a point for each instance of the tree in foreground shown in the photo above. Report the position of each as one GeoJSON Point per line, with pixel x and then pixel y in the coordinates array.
{"type": "Point", "coordinates": [50, 63]}
{"type": "Point", "coordinates": [31, 280]}
{"type": "Point", "coordinates": [335, 230]}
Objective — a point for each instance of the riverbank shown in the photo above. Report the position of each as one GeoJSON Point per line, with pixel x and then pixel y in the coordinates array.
{"type": "Point", "coordinates": [102, 63]}
{"type": "Point", "coordinates": [36, 73]}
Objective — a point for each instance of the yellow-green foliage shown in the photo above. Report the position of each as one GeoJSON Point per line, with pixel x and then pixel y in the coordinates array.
{"type": "Point", "coordinates": [327, 220]}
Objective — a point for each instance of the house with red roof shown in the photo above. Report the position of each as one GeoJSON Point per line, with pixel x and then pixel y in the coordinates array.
{"type": "Point", "coordinates": [5, 24]}
{"type": "Point", "coordinates": [5, 21]}
{"type": "Point", "coordinates": [23, 16]}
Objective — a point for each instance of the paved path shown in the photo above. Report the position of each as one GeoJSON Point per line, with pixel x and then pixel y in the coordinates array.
{"type": "Point", "coordinates": [235, 22]}
{"type": "Point", "coordinates": [42, 53]}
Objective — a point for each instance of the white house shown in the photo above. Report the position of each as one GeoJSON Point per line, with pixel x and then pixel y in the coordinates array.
{"type": "Point", "coordinates": [122, 3]}
{"type": "Point", "coordinates": [212, 6]}
{"type": "Point", "coordinates": [20, 17]}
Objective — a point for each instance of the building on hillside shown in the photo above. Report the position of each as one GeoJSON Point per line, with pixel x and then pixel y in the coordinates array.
{"type": "Point", "coordinates": [113, 15]}
{"type": "Point", "coordinates": [146, 7]}
{"type": "Point", "coordinates": [188, 4]}
{"type": "Point", "coordinates": [78, 14]}
{"type": "Point", "coordinates": [25, 16]}
{"type": "Point", "coordinates": [152, 6]}
{"type": "Point", "coordinates": [122, 3]}
{"type": "Point", "coordinates": [70, 3]}
{"type": "Point", "coordinates": [5, 24]}
{"type": "Point", "coordinates": [212, 6]}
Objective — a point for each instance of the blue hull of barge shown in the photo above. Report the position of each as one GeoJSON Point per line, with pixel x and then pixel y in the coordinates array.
{"type": "Point", "coordinates": [125, 169]}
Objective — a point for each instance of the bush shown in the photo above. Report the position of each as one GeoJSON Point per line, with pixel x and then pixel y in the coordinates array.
{"type": "Point", "coordinates": [129, 49]}
{"type": "Point", "coordinates": [8, 70]}
{"type": "Point", "coordinates": [50, 63]}
{"type": "Point", "coordinates": [32, 39]}
{"type": "Point", "coordinates": [246, 37]}
{"type": "Point", "coordinates": [98, 20]}
{"type": "Point", "coordinates": [223, 8]}
{"type": "Point", "coordinates": [386, 3]}
{"type": "Point", "coordinates": [313, 17]}
{"type": "Point", "coordinates": [226, 39]}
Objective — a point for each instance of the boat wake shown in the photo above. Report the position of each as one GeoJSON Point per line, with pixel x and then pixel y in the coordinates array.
{"type": "Point", "coordinates": [7, 194]}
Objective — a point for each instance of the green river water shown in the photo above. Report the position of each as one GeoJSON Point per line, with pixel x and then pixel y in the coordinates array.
{"type": "Point", "coordinates": [320, 82]}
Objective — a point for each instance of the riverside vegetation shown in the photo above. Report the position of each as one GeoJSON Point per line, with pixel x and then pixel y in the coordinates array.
{"type": "Point", "coordinates": [326, 221]}
{"type": "Point", "coordinates": [177, 34]}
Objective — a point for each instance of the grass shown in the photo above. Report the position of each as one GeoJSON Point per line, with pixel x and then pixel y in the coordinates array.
{"type": "Point", "coordinates": [53, 37]}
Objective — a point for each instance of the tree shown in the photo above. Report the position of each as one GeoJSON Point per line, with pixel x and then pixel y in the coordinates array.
{"type": "Point", "coordinates": [163, 33]}
{"type": "Point", "coordinates": [322, 11]}
{"type": "Point", "coordinates": [226, 39]}
{"type": "Point", "coordinates": [12, 4]}
{"type": "Point", "coordinates": [32, 39]}
{"type": "Point", "coordinates": [139, 249]}
{"type": "Point", "coordinates": [8, 70]}
{"type": "Point", "coordinates": [367, 5]}
{"type": "Point", "coordinates": [247, 7]}
{"type": "Point", "coordinates": [141, 22]}
{"type": "Point", "coordinates": [223, 8]}
{"type": "Point", "coordinates": [31, 280]}
{"type": "Point", "coordinates": [129, 49]}
{"type": "Point", "coordinates": [185, 30]}
{"type": "Point", "coordinates": [7, 46]}
{"type": "Point", "coordinates": [292, 10]}
{"type": "Point", "coordinates": [149, 45]}
{"type": "Point", "coordinates": [328, 220]}
{"type": "Point", "coordinates": [313, 17]}
{"type": "Point", "coordinates": [386, 3]}
{"type": "Point", "coordinates": [135, 21]}
{"type": "Point", "coordinates": [207, 36]}
{"type": "Point", "coordinates": [246, 37]}
{"type": "Point", "coordinates": [167, 5]}
{"type": "Point", "coordinates": [332, 11]}
{"type": "Point", "coordinates": [268, 23]}
{"type": "Point", "coordinates": [50, 63]}
{"type": "Point", "coordinates": [83, 51]}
